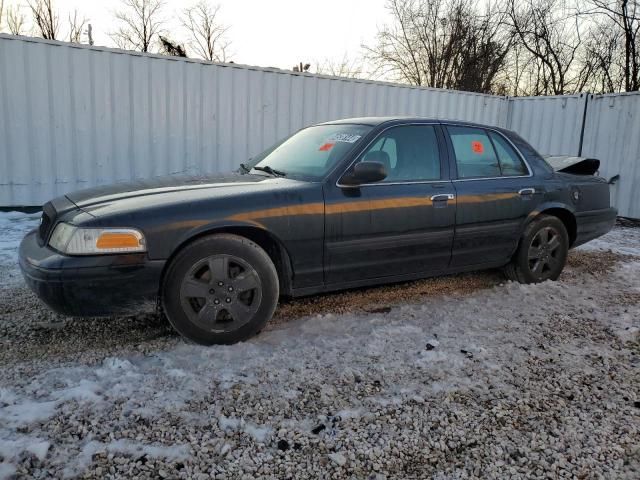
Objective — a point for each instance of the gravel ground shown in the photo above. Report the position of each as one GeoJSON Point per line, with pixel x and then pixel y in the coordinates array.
{"type": "Point", "coordinates": [465, 376]}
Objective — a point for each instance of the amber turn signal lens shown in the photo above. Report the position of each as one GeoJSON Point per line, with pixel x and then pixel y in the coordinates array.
{"type": "Point", "coordinates": [111, 240]}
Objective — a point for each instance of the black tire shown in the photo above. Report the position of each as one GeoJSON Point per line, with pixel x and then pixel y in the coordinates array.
{"type": "Point", "coordinates": [206, 271]}
{"type": "Point", "coordinates": [542, 251]}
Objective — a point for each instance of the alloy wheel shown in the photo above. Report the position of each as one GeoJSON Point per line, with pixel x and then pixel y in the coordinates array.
{"type": "Point", "coordinates": [544, 253]}
{"type": "Point", "coordinates": [221, 293]}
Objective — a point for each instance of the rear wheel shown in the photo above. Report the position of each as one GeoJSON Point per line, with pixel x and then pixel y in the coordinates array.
{"type": "Point", "coordinates": [542, 252]}
{"type": "Point", "coordinates": [220, 289]}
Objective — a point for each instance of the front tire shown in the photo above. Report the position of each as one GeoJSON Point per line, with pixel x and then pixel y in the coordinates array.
{"type": "Point", "coordinates": [542, 252]}
{"type": "Point", "coordinates": [220, 289]}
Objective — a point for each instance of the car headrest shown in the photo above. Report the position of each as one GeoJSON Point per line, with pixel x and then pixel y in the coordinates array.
{"type": "Point", "coordinates": [379, 156]}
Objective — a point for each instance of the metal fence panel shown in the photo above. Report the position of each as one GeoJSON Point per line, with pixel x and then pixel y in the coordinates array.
{"type": "Point", "coordinates": [74, 116]}
{"type": "Point", "coordinates": [612, 134]}
{"type": "Point", "coordinates": [552, 125]}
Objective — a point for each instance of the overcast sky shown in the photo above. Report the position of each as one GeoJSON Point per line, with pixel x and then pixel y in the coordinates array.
{"type": "Point", "coordinates": [277, 33]}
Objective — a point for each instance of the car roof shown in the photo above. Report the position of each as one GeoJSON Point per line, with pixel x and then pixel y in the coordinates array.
{"type": "Point", "coordinates": [375, 121]}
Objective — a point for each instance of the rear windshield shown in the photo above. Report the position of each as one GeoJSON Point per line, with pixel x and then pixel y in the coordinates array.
{"type": "Point", "coordinates": [313, 152]}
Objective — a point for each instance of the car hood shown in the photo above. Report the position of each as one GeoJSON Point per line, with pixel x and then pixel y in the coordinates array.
{"type": "Point", "coordinates": [162, 185]}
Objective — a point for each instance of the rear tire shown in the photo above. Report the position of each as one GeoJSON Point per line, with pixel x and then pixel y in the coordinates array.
{"type": "Point", "coordinates": [220, 289]}
{"type": "Point", "coordinates": [542, 252]}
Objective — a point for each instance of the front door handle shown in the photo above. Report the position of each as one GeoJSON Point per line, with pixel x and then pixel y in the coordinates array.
{"type": "Point", "coordinates": [442, 197]}
{"type": "Point", "coordinates": [526, 191]}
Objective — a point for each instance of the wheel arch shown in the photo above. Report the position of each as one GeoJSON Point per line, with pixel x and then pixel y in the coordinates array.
{"type": "Point", "coordinates": [269, 242]}
{"type": "Point", "coordinates": [561, 211]}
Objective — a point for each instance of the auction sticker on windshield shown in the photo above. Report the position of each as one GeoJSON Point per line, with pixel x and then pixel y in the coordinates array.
{"type": "Point", "coordinates": [343, 137]}
{"type": "Point", "coordinates": [326, 147]}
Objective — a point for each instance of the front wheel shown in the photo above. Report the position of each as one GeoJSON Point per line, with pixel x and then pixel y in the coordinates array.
{"type": "Point", "coordinates": [542, 252]}
{"type": "Point", "coordinates": [220, 289]}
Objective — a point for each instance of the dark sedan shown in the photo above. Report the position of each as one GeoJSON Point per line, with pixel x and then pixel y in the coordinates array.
{"type": "Point", "coordinates": [338, 205]}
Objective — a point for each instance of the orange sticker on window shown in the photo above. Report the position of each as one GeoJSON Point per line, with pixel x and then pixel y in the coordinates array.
{"type": "Point", "coordinates": [477, 147]}
{"type": "Point", "coordinates": [326, 147]}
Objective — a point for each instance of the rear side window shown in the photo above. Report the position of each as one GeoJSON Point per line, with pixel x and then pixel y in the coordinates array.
{"type": "Point", "coordinates": [482, 154]}
{"type": "Point", "coordinates": [475, 156]}
{"type": "Point", "coordinates": [510, 162]}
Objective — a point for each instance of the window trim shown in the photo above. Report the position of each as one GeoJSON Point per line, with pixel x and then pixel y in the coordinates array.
{"type": "Point", "coordinates": [489, 132]}
{"type": "Point", "coordinates": [406, 182]}
{"type": "Point", "coordinates": [497, 132]}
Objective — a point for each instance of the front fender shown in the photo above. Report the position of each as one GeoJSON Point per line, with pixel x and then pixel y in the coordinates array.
{"type": "Point", "coordinates": [215, 226]}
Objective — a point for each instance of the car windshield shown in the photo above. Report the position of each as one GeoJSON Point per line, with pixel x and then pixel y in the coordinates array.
{"type": "Point", "coordinates": [312, 152]}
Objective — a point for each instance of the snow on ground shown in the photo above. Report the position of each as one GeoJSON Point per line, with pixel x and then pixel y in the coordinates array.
{"type": "Point", "coordinates": [13, 226]}
{"type": "Point", "coordinates": [625, 241]}
{"type": "Point", "coordinates": [512, 380]}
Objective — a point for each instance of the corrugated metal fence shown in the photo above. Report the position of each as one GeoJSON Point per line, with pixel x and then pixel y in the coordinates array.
{"type": "Point", "coordinates": [612, 134]}
{"type": "Point", "coordinates": [553, 125]}
{"type": "Point", "coordinates": [73, 116]}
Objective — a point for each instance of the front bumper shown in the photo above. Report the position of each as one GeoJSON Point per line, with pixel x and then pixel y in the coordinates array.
{"type": "Point", "coordinates": [593, 224]}
{"type": "Point", "coordinates": [90, 286]}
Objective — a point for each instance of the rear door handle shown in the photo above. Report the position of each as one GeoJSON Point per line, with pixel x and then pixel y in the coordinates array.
{"type": "Point", "coordinates": [442, 197]}
{"type": "Point", "coordinates": [526, 191]}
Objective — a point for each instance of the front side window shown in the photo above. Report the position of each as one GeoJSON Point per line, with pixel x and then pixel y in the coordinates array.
{"type": "Point", "coordinates": [408, 153]}
{"type": "Point", "coordinates": [313, 152]}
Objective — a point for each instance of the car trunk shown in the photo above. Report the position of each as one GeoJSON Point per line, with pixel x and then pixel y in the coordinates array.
{"type": "Point", "coordinates": [573, 165]}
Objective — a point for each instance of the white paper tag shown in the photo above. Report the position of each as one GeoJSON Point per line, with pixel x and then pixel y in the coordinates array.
{"type": "Point", "coordinates": [344, 137]}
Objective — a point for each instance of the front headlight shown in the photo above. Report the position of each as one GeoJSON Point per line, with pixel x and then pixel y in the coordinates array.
{"type": "Point", "coordinates": [91, 241]}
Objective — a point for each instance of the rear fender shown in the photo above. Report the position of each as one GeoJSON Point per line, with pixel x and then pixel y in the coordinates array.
{"type": "Point", "coordinates": [554, 207]}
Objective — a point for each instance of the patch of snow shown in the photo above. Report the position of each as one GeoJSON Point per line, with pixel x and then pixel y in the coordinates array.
{"type": "Point", "coordinates": [259, 434]}
{"type": "Point", "coordinates": [11, 449]}
{"type": "Point", "coordinates": [84, 391]}
{"type": "Point", "coordinates": [338, 458]}
{"type": "Point", "coordinates": [625, 241]}
{"type": "Point", "coordinates": [349, 413]}
{"type": "Point", "coordinates": [124, 447]}
{"type": "Point", "coordinates": [7, 471]}
{"type": "Point", "coordinates": [229, 424]}
{"type": "Point", "coordinates": [14, 226]}
{"type": "Point", "coordinates": [26, 412]}
{"type": "Point", "coordinates": [386, 351]}
{"type": "Point", "coordinates": [7, 396]}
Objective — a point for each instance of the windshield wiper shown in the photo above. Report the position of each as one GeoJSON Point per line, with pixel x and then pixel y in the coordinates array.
{"type": "Point", "coordinates": [245, 168]}
{"type": "Point", "coordinates": [271, 171]}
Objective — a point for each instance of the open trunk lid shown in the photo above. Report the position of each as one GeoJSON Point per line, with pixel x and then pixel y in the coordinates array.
{"type": "Point", "coordinates": [573, 165]}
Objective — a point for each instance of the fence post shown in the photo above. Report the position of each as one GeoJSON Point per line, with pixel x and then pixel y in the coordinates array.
{"type": "Point", "coordinates": [584, 121]}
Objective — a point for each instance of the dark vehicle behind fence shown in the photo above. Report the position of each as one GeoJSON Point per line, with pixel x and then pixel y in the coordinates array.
{"type": "Point", "coordinates": [338, 205]}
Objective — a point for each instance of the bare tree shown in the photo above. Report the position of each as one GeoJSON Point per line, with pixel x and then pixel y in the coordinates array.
{"type": "Point", "coordinates": [601, 58]}
{"type": "Point", "coordinates": [341, 68]}
{"type": "Point", "coordinates": [441, 43]}
{"type": "Point", "coordinates": [169, 47]}
{"type": "Point", "coordinates": [623, 17]}
{"type": "Point", "coordinates": [45, 18]}
{"type": "Point", "coordinates": [16, 20]}
{"type": "Point", "coordinates": [140, 22]}
{"type": "Point", "coordinates": [208, 34]}
{"type": "Point", "coordinates": [76, 26]}
{"type": "Point", "coordinates": [550, 33]}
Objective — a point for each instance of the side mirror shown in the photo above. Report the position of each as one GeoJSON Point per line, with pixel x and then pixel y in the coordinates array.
{"type": "Point", "coordinates": [365, 172]}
